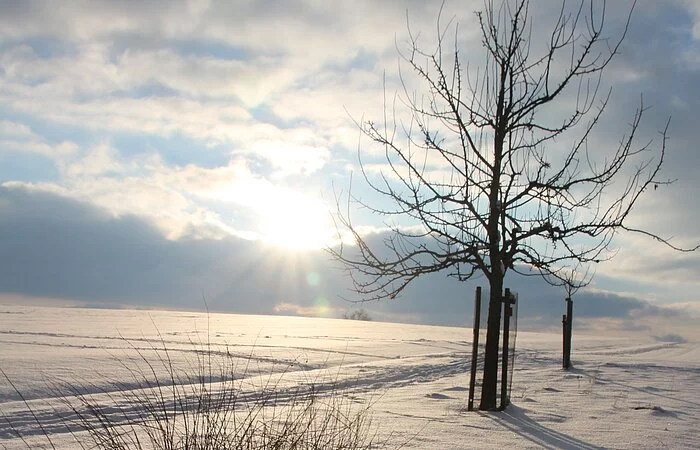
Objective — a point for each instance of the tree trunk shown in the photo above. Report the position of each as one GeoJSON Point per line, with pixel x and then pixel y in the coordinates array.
{"type": "Point", "coordinates": [489, 386]}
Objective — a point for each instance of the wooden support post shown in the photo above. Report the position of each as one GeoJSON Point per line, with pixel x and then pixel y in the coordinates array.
{"type": "Point", "coordinates": [563, 342]}
{"type": "Point", "coordinates": [567, 332]}
{"type": "Point", "coordinates": [508, 301]}
{"type": "Point", "coordinates": [475, 348]}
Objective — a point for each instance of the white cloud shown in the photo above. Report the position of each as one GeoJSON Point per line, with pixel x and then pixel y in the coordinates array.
{"type": "Point", "coordinates": [18, 137]}
{"type": "Point", "coordinates": [218, 121]}
{"type": "Point", "coordinates": [98, 160]}
{"type": "Point", "coordinates": [15, 129]}
{"type": "Point", "coordinates": [246, 204]}
{"type": "Point", "coordinates": [694, 10]}
{"type": "Point", "coordinates": [289, 157]}
{"type": "Point", "coordinates": [275, 83]}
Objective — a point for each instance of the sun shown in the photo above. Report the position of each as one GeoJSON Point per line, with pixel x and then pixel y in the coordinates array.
{"type": "Point", "coordinates": [296, 221]}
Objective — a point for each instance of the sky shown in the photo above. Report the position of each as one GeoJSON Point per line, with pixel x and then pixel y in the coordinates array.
{"type": "Point", "coordinates": [166, 154]}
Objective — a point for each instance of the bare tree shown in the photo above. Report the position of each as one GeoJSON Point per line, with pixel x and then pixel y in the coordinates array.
{"type": "Point", "coordinates": [571, 280]}
{"type": "Point", "coordinates": [492, 167]}
{"type": "Point", "coordinates": [358, 314]}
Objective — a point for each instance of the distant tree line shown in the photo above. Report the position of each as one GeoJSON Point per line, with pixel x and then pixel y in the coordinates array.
{"type": "Point", "coordinates": [358, 314]}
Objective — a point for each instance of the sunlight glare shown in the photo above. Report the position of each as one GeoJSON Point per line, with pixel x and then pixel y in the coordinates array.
{"type": "Point", "coordinates": [296, 221]}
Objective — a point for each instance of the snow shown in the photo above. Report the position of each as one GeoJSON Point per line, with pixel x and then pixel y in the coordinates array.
{"type": "Point", "coordinates": [624, 392]}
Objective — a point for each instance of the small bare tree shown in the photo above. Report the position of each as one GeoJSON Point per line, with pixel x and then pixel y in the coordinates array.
{"type": "Point", "coordinates": [571, 280]}
{"type": "Point", "coordinates": [494, 164]}
{"type": "Point", "coordinates": [358, 314]}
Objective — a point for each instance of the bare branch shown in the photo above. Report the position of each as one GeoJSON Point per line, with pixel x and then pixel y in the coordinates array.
{"type": "Point", "coordinates": [485, 178]}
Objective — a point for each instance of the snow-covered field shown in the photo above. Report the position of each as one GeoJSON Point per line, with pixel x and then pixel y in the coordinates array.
{"type": "Point", "coordinates": [622, 393]}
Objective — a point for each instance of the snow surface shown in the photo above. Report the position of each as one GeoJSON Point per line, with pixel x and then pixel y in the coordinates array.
{"type": "Point", "coordinates": [621, 393]}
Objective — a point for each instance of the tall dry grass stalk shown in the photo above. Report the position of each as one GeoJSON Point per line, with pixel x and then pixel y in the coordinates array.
{"type": "Point", "coordinates": [215, 401]}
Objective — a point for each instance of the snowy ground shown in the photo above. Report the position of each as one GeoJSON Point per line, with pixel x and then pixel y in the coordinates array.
{"type": "Point", "coordinates": [622, 393]}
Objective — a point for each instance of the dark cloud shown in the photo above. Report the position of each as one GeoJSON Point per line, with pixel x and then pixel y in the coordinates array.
{"type": "Point", "coordinates": [56, 247]}
{"type": "Point", "coordinates": [671, 338]}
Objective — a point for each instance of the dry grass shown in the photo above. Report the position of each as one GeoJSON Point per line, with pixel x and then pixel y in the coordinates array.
{"type": "Point", "coordinates": [214, 402]}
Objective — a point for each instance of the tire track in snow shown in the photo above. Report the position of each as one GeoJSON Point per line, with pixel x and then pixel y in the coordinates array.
{"type": "Point", "coordinates": [56, 416]}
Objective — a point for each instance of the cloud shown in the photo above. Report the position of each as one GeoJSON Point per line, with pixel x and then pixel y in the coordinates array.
{"type": "Point", "coordinates": [63, 248]}
{"type": "Point", "coordinates": [190, 199]}
{"type": "Point", "coordinates": [19, 138]}
{"type": "Point", "coordinates": [14, 129]}
{"type": "Point", "coordinates": [288, 157]}
{"type": "Point", "coordinates": [108, 84]}
{"type": "Point", "coordinates": [242, 24]}
{"type": "Point", "coordinates": [70, 249]}
{"type": "Point", "coordinates": [640, 263]}
{"type": "Point", "coordinates": [173, 129]}
{"type": "Point", "coordinates": [674, 338]}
